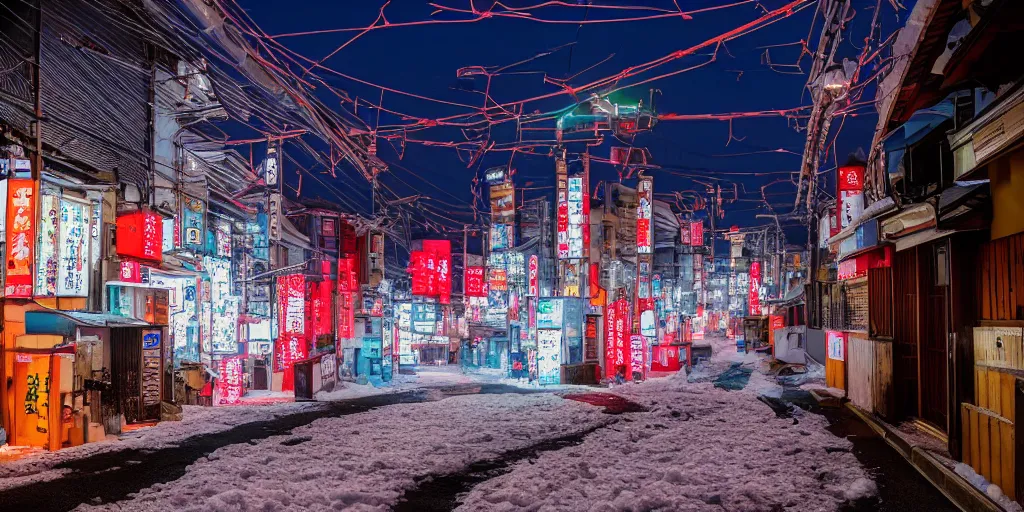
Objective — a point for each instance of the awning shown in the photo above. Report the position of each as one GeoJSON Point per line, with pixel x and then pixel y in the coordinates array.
{"type": "Point", "coordinates": [965, 206]}
{"type": "Point", "coordinates": [876, 209]}
{"type": "Point", "coordinates": [919, 238]}
{"type": "Point", "coordinates": [54, 321]}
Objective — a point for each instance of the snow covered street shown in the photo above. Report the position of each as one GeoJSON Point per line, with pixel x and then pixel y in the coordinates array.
{"type": "Point", "coordinates": [471, 444]}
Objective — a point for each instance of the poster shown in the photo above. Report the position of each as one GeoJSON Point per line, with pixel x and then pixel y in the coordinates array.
{"type": "Point", "coordinates": [224, 335]}
{"type": "Point", "coordinates": [836, 345]}
{"type": "Point", "coordinates": [229, 385]}
{"type": "Point", "coordinates": [21, 239]}
{"type": "Point", "coordinates": [72, 274]}
{"type": "Point", "coordinates": [46, 245]}
{"type": "Point", "coordinates": [424, 318]}
{"type": "Point", "coordinates": [549, 313]}
{"type": "Point", "coordinates": [549, 343]}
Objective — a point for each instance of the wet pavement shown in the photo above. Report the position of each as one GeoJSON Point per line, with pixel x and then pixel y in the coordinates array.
{"type": "Point", "coordinates": [900, 486]}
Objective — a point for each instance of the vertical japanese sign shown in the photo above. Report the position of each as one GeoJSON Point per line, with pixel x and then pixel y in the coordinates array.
{"type": "Point", "coordinates": [610, 317]}
{"type": "Point", "coordinates": [562, 208]}
{"type": "Point", "coordinates": [291, 303]}
{"type": "Point", "coordinates": [46, 245]}
{"type": "Point", "coordinates": [637, 351]}
{"type": "Point", "coordinates": [533, 288]}
{"type": "Point", "coordinates": [193, 216]}
{"type": "Point", "coordinates": [222, 237]}
{"type": "Point", "coordinates": [347, 285]}
{"type": "Point", "coordinates": [577, 219]}
{"type": "Point", "coordinates": [697, 233]}
{"type": "Point", "coordinates": [590, 349]}
{"type": "Point", "coordinates": [754, 299]}
{"type": "Point", "coordinates": [229, 385]}
{"type": "Point", "coordinates": [441, 251]}
{"type": "Point", "coordinates": [684, 233]}
{"type": "Point", "coordinates": [644, 216]}
{"type": "Point", "coordinates": [72, 274]}
{"type": "Point", "coordinates": [21, 218]}
{"type": "Point", "coordinates": [475, 282]}
{"type": "Point", "coordinates": [850, 194]}
{"type": "Point", "coordinates": [622, 323]}
{"type": "Point", "coordinates": [274, 216]}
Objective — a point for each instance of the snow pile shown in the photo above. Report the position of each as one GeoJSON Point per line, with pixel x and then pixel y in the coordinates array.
{"type": "Point", "coordinates": [365, 461]}
{"type": "Point", "coordinates": [699, 448]}
{"type": "Point", "coordinates": [195, 421]}
{"type": "Point", "coordinates": [991, 490]}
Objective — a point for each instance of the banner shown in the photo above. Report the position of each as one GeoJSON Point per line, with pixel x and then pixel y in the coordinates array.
{"type": "Point", "coordinates": [610, 314]}
{"type": "Point", "coordinates": [348, 283]}
{"type": "Point", "coordinates": [21, 238]}
{"type": "Point", "coordinates": [441, 251]}
{"type": "Point", "coordinates": [229, 385]}
{"type": "Point", "coordinates": [290, 346]}
{"type": "Point", "coordinates": [475, 282]}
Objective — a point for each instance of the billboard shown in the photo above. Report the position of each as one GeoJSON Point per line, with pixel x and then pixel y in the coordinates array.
{"type": "Point", "coordinates": [549, 313]}
{"type": "Point", "coordinates": [21, 238]}
{"type": "Point", "coordinates": [475, 282]}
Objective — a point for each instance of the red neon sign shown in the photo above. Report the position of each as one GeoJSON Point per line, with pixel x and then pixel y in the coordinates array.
{"type": "Point", "coordinates": [140, 235]}
{"type": "Point", "coordinates": [697, 233]}
{"type": "Point", "coordinates": [754, 298]}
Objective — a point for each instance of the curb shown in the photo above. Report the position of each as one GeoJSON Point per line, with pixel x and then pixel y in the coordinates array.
{"type": "Point", "coordinates": [961, 493]}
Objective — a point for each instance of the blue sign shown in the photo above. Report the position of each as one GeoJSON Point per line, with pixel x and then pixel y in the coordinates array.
{"type": "Point", "coordinates": [151, 340]}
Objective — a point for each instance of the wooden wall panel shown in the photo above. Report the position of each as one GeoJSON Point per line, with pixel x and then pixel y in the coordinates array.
{"type": "Point", "coordinates": [861, 364]}
{"type": "Point", "coordinates": [993, 390]}
{"type": "Point", "coordinates": [999, 347]}
{"type": "Point", "coordinates": [1000, 276]}
{"type": "Point", "coordinates": [989, 447]}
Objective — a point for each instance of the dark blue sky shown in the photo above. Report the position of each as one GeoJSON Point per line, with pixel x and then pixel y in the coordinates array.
{"type": "Point", "coordinates": [424, 59]}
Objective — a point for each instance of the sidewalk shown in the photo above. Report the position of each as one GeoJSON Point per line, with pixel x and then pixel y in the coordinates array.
{"type": "Point", "coordinates": [937, 471]}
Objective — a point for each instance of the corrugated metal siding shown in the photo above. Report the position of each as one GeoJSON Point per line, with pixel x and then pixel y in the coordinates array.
{"type": "Point", "coordinates": [95, 86]}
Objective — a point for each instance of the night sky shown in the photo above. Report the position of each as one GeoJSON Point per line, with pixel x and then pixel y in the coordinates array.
{"type": "Point", "coordinates": [423, 60]}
